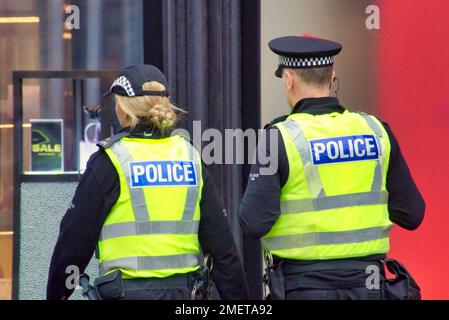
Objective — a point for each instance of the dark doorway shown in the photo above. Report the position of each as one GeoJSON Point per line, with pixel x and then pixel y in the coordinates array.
{"type": "Point", "coordinates": [210, 51]}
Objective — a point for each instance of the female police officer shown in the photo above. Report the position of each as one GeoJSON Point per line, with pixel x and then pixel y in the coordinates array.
{"type": "Point", "coordinates": [147, 203]}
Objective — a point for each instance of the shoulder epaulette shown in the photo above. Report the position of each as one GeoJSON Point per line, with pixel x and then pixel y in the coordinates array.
{"type": "Point", "coordinates": [106, 143]}
{"type": "Point", "coordinates": [277, 120]}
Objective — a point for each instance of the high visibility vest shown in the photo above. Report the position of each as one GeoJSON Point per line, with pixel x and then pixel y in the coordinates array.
{"type": "Point", "coordinates": [334, 204]}
{"type": "Point", "coordinates": [152, 230]}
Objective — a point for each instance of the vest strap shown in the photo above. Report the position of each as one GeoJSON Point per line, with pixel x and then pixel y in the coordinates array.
{"type": "Point", "coordinates": [312, 174]}
{"type": "Point", "coordinates": [192, 191]}
{"type": "Point", "coordinates": [377, 181]}
{"type": "Point", "coordinates": [178, 261]}
{"type": "Point", "coordinates": [326, 238]}
{"type": "Point", "coordinates": [333, 202]}
{"type": "Point", "coordinates": [137, 196]}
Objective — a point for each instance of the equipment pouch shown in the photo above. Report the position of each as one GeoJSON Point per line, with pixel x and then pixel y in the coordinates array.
{"type": "Point", "coordinates": [403, 286]}
{"type": "Point", "coordinates": [110, 286]}
{"type": "Point", "coordinates": [276, 282]}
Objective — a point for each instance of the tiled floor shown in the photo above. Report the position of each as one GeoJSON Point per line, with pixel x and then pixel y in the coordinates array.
{"type": "Point", "coordinates": [5, 289]}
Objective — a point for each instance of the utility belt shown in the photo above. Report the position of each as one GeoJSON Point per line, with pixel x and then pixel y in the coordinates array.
{"type": "Point", "coordinates": [329, 265]}
{"type": "Point", "coordinates": [113, 287]}
{"type": "Point", "coordinates": [401, 287]}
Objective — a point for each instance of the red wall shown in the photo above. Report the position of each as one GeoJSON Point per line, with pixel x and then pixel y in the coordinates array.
{"type": "Point", "coordinates": [413, 96]}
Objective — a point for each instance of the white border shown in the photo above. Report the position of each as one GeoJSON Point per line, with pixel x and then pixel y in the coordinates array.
{"type": "Point", "coordinates": [162, 186]}
{"type": "Point", "coordinates": [350, 161]}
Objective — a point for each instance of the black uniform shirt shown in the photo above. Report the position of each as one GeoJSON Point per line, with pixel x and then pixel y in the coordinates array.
{"type": "Point", "coordinates": [97, 193]}
{"type": "Point", "coordinates": [260, 207]}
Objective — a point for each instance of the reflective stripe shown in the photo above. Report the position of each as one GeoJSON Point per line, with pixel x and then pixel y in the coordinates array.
{"type": "Point", "coordinates": [125, 229]}
{"type": "Point", "coordinates": [302, 145]}
{"type": "Point", "coordinates": [373, 124]}
{"type": "Point", "coordinates": [333, 202]}
{"type": "Point", "coordinates": [192, 191]}
{"type": "Point", "coordinates": [326, 238]}
{"type": "Point", "coordinates": [151, 263]}
{"type": "Point", "coordinates": [137, 196]}
{"type": "Point", "coordinates": [378, 173]}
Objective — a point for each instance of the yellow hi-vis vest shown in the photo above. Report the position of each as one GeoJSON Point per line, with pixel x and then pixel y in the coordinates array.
{"type": "Point", "coordinates": [152, 230]}
{"type": "Point", "coordinates": [334, 204]}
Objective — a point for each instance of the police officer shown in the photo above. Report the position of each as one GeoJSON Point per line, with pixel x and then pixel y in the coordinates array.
{"type": "Point", "coordinates": [147, 202]}
{"type": "Point", "coordinates": [325, 214]}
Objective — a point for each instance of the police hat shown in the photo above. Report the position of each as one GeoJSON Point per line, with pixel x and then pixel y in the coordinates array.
{"type": "Point", "coordinates": [303, 52]}
{"type": "Point", "coordinates": [130, 80]}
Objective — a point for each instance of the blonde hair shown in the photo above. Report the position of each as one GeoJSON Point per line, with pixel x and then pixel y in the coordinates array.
{"type": "Point", "coordinates": [155, 110]}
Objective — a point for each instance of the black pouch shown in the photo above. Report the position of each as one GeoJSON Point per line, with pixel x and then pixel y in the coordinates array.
{"type": "Point", "coordinates": [276, 282]}
{"type": "Point", "coordinates": [403, 286]}
{"type": "Point", "coordinates": [110, 286]}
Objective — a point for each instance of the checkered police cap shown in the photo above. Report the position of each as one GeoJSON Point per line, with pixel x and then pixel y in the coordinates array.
{"type": "Point", "coordinates": [130, 80]}
{"type": "Point", "coordinates": [303, 52]}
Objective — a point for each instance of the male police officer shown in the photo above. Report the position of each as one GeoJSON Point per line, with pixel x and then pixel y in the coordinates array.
{"type": "Point", "coordinates": [325, 215]}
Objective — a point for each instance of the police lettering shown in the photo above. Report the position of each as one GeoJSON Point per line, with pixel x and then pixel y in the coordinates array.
{"type": "Point", "coordinates": [344, 149]}
{"type": "Point", "coordinates": [162, 173]}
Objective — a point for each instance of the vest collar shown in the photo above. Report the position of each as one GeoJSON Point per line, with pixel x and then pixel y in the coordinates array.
{"type": "Point", "coordinates": [318, 106]}
{"type": "Point", "coordinates": [146, 131]}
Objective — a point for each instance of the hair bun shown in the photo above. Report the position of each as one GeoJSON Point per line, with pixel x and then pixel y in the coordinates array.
{"type": "Point", "coordinates": [162, 115]}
